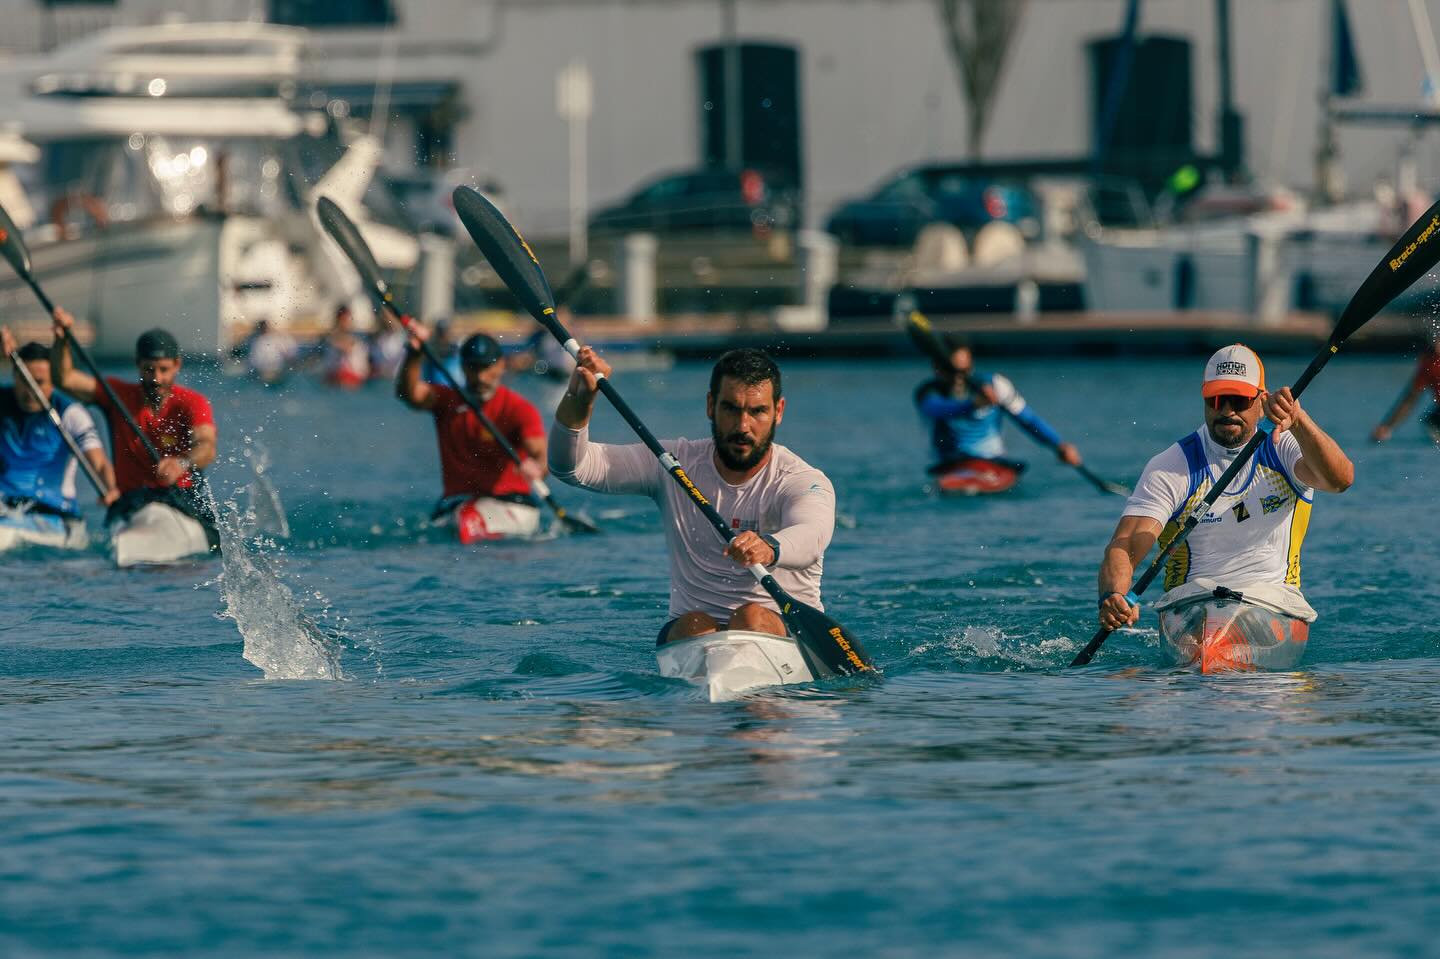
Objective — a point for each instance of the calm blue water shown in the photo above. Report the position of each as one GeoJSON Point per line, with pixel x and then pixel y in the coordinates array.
{"type": "Point", "coordinates": [500, 772]}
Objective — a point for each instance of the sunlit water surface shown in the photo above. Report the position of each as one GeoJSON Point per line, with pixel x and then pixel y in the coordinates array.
{"type": "Point", "coordinates": [499, 771]}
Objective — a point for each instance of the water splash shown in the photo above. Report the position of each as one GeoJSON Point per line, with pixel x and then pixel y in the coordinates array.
{"type": "Point", "coordinates": [281, 638]}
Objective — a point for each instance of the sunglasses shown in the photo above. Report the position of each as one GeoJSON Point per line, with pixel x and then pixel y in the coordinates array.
{"type": "Point", "coordinates": [1231, 401]}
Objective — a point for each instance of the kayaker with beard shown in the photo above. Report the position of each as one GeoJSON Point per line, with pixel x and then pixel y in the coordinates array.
{"type": "Point", "coordinates": [178, 422]}
{"type": "Point", "coordinates": [784, 508]}
{"type": "Point", "coordinates": [1246, 549]}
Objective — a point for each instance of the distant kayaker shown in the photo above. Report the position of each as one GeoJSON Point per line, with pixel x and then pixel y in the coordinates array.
{"type": "Point", "coordinates": [967, 425]}
{"type": "Point", "coordinates": [1427, 377]}
{"type": "Point", "coordinates": [784, 508]}
{"type": "Point", "coordinates": [344, 355]}
{"type": "Point", "coordinates": [1247, 547]}
{"type": "Point", "coordinates": [37, 469]}
{"type": "Point", "coordinates": [488, 493]}
{"type": "Point", "coordinates": [178, 422]}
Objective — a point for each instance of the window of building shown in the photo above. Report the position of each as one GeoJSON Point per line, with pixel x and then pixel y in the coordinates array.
{"type": "Point", "coordinates": [332, 13]}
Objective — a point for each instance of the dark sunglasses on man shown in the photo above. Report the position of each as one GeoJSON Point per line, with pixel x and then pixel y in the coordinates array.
{"type": "Point", "coordinates": [1232, 401]}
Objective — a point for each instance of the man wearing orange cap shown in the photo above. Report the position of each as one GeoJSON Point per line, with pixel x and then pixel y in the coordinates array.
{"type": "Point", "coordinates": [1248, 543]}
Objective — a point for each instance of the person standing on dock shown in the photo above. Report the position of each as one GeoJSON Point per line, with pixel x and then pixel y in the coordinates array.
{"type": "Point", "coordinates": [37, 469]}
{"type": "Point", "coordinates": [177, 421]}
{"type": "Point", "coordinates": [1427, 377]}
{"type": "Point", "coordinates": [966, 424]}
{"type": "Point", "coordinates": [784, 507]}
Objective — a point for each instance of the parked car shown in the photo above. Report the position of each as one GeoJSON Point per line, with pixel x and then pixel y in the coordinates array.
{"type": "Point", "coordinates": [906, 203]}
{"type": "Point", "coordinates": [704, 200]}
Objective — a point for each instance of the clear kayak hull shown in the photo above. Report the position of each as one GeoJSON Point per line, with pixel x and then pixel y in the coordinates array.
{"type": "Point", "coordinates": [1224, 631]}
{"type": "Point", "coordinates": [733, 662]}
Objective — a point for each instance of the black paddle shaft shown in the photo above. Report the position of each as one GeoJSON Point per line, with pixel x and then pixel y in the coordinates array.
{"type": "Point", "coordinates": [357, 251]}
{"type": "Point", "coordinates": [789, 609]}
{"type": "Point", "coordinates": [923, 335]}
{"type": "Point", "coordinates": [826, 646]}
{"type": "Point", "coordinates": [1216, 491]}
{"type": "Point", "coordinates": [1410, 258]}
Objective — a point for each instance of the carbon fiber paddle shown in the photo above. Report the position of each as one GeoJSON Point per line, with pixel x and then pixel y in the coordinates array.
{"type": "Point", "coordinates": [344, 233]}
{"type": "Point", "coordinates": [829, 649]}
{"type": "Point", "coordinates": [923, 335]}
{"type": "Point", "coordinates": [1408, 260]}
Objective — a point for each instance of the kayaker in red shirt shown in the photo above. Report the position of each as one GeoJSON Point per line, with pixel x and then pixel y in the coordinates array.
{"type": "Point", "coordinates": [178, 422]}
{"type": "Point", "coordinates": [1427, 377]}
{"type": "Point", "coordinates": [472, 464]}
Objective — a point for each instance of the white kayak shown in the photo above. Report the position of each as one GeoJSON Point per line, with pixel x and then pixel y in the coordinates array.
{"type": "Point", "coordinates": [483, 518]}
{"type": "Point", "coordinates": [24, 527]}
{"type": "Point", "coordinates": [1260, 627]}
{"type": "Point", "coordinates": [733, 662]}
{"type": "Point", "coordinates": [157, 534]}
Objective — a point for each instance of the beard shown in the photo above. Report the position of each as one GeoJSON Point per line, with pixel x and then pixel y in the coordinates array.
{"type": "Point", "coordinates": [1228, 433]}
{"type": "Point", "coordinates": [741, 462]}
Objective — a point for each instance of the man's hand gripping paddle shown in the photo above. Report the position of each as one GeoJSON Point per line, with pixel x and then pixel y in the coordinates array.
{"type": "Point", "coordinates": [343, 232]}
{"type": "Point", "coordinates": [923, 335]}
{"type": "Point", "coordinates": [829, 649]}
{"type": "Point", "coordinates": [1411, 258]}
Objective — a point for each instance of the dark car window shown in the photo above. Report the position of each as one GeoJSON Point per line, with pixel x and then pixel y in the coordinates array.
{"type": "Point", "coordinates": [665, 189]}
{"type": "Point", "coordinates": [908, 187]}
{"type": "Point", "coordinates": [707, 183]}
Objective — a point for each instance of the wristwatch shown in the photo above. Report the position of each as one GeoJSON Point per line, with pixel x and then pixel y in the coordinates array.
{"type": "Point", "coordinates": [775, 545]}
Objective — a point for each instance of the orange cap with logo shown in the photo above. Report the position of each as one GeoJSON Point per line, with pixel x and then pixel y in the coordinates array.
{"type": "Point", "coordinates": [1234, 370]}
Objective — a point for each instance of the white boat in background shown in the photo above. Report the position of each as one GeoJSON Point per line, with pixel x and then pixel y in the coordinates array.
{"type": "Point", "coordinates": [731, 663]}
{"type": "Point", "coordinates": [1264, 265]}
{"type": "Point", "coordinates": [157, 535]}
{"type": "Point", "coordinates": [177, 181]}
{"type": "Point", "coordinates": [20, 527]}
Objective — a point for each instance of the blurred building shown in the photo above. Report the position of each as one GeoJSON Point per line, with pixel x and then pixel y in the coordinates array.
{"type": "Point", "coordinates": [837, 93]}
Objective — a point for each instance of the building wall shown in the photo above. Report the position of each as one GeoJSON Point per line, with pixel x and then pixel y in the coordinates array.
{"type": "Point", "coordinates": [878, 89]}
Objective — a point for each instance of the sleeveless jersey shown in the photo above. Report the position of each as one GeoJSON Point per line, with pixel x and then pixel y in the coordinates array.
{"type": "Point", "coordinates": [1253, 533]}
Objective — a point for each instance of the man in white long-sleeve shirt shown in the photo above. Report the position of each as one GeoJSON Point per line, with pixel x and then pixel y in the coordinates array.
{"type": "Point", "coordinates": [782, 508]}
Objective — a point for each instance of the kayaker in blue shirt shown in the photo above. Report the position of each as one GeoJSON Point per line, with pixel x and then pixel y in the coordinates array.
{"type": "Point", "coordinates": [965, 425]}
{"type": "Point", "coordinates": [37, 471]}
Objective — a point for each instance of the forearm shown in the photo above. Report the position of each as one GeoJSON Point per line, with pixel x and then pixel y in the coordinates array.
{"type": "Point", "coordinates": [1117, 570]}
{"type": "Point", "coordinates": [409, 387]}
{"type": "Point", "coordinates": [573, 411]}
{"type": "Point", "coordinates": [1322, 457]}
{"type": "Point", "coordinates": [535, 448]}
{"type": "Point", "coordinates": [809, 526]}
{"type": "Point", "coordinates": [202, 451]}
{"type": "Point", "coordinates": [100, 463]}
{"type": "Point", "coordinates": [1401, 409]}
{"type": "Point", "coordinates": [64, 374]}
{"type": "Point", "coordinates": [1042, 431]}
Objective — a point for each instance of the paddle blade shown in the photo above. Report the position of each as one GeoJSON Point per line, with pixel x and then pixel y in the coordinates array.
{"type": "Point", "coordinates": [1408, 260]}
{"type": "Point", "coordinates": [12, 247]}
{"type": "Point", "coordinates": [508, 253]}
{"type": "Point", "coordinates": [829, 648]}
{"type": "Point", "coordinates": [344, 232]}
